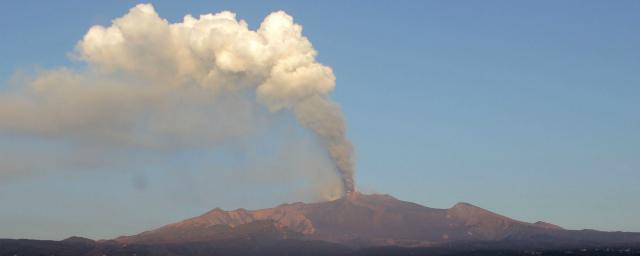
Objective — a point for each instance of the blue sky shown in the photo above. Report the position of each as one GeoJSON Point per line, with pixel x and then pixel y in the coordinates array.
{"type": "Point", "coordinates": [528, 109]}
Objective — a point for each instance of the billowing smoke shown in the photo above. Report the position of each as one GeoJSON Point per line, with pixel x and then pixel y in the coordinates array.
{"type": "Point", "coordinates": [142, 66]}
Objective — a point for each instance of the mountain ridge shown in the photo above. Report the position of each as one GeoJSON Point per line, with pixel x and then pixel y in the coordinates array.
{"type": "Point", "coordinates": [362, 220]}
{"type": "Point", "coordinates": [356, 224]}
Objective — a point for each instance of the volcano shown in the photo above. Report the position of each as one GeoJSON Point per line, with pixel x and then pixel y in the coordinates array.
{"type": "Point", "coordinates": [360, 220]}
{"type": "Point", "coordinates": [356, 224]}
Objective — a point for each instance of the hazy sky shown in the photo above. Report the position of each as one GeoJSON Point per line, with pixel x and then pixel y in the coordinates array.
{"type": "Point", "coordinates": [531, 110]}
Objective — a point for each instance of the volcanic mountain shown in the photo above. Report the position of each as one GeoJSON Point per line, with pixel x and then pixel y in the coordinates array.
{"type": "Point", "coordinates": [359, 220]}
{"type": "Point", "coordinates": [356, 224]}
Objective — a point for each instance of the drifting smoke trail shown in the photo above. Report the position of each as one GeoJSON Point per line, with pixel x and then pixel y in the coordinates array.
{"type": "Point", "coordinates": [325, 118]}
{"type": "Point", "coordinates": [159, 60]}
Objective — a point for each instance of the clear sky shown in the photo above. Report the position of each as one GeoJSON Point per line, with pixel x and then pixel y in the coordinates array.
{"type": "Point", "coordinates": [529, 109]}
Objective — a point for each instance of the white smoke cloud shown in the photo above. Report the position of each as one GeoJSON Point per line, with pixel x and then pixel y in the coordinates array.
{"type": "Point", "coordinates": [205, 80]}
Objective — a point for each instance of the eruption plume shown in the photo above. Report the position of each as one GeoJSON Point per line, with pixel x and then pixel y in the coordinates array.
{"type": "Point", "coordinates": [142, 63]}
{"type": "Point", "coordinates": [325, 119]}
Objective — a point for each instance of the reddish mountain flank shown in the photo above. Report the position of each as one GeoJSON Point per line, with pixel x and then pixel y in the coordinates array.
{"type": "Point", "coordinates": [362, 220]}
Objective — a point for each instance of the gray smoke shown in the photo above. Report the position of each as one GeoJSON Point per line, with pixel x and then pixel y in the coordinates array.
{"type": "Point", "coordinates": [141, 68]}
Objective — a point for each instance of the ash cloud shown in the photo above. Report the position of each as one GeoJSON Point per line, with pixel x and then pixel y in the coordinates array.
{"type": "Point", "coordinates": [207, 80]}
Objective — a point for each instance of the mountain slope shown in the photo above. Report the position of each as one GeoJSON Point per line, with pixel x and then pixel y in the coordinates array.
{"type": "Point", "coordinates": [357, 224]}
{"type": "Point", "coordinates": [368, 220]}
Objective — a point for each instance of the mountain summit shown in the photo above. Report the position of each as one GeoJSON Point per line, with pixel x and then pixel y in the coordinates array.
{"type": "Point", "coordinates": [356, 224]}
{"type": "Point", "coordinates": [368, 220]}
